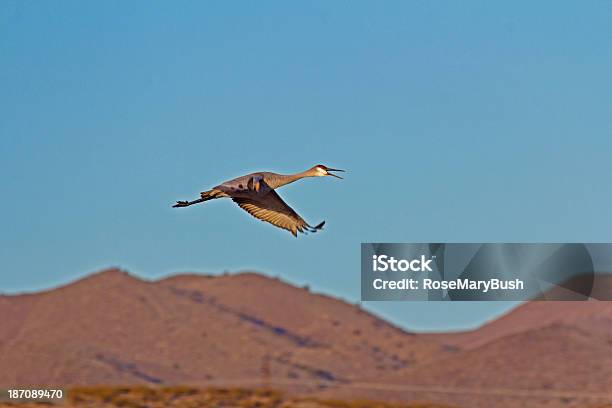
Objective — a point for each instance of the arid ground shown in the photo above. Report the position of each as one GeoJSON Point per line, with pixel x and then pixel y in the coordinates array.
{"type": "Point", "coordinates": [249, 331]}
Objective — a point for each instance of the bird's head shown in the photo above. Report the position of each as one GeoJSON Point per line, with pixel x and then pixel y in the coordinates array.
{"type": "Point", "coordinates": [321, 170]}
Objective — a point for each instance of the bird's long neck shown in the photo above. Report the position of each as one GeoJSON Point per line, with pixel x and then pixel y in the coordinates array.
{"type": "Point", "coordinates": [279, 180]}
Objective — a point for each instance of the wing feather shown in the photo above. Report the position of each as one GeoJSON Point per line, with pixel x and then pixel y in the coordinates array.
{"type": "Point", "coordinates": [271, 208]}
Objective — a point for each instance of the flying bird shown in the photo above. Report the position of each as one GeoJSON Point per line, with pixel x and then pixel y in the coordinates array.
{"type": "Point", "coordinates": [255, 193]}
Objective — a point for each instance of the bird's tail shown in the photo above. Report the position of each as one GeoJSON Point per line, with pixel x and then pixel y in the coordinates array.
{"type": "Point", "coordinates": [204, 196]}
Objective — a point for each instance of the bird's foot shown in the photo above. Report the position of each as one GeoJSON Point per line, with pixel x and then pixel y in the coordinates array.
{"type": "Point", "coordinates": [181, 204]}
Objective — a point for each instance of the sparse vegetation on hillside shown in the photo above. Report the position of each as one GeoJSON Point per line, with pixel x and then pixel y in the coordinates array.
{"type": "Point", "coordinates": [190, 397]}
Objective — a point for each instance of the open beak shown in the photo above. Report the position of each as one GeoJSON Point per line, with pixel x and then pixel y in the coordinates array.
{"type": "Point", "coordinates": [334, 175]}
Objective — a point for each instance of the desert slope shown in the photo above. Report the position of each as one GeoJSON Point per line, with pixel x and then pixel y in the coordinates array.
{"type": "Point", "coordinates": [594, 317]}
{"type": "Point", "coordinates": [249, 329]}
{"type": "Point", "coordinates": [113, 328]}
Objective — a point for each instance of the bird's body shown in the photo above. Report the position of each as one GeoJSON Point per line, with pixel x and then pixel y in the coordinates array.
{"type": "Point", "coordinates": [255, 194]}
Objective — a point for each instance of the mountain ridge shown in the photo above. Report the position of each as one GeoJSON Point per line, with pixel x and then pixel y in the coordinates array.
{"type": "Point", "coordinates": [114, 328]}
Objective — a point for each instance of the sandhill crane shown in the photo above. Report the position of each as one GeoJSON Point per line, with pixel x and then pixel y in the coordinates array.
{"type": "Point", "coordinates": [255, 194]}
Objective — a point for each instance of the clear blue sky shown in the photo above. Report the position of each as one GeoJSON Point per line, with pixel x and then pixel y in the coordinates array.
{"type": "Point", "coordinates": [459, 121]}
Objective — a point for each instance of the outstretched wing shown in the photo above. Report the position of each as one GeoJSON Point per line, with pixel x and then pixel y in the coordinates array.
{"type": "Point", "coordinates": [271, 208]}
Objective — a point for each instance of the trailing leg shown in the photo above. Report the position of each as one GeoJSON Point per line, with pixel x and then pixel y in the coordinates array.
{"type": "Point", "coordinates": [204, 196]}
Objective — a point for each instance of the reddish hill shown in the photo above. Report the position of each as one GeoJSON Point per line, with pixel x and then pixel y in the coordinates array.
{"type": "Point", "coordinates": [554, 357]}
{"type": "Point", "coordinates": [113, 328]}
{"type": "Point", "coordinates": [594, 317]}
